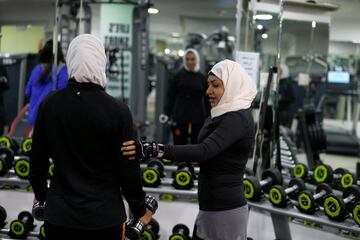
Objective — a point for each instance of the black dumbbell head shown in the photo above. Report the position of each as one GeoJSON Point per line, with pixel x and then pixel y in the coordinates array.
{"type": "Point", "coordinates": [28, 219]}
{"type": "Point", "coordinates": [20, 228]}
{"type": "Point", "coordinates": [306, 202]}
{"type": "Point", "coordinates": [300, 171]}
{"type": "Point", "coordinates": [335, 208]}
{"type": "Point", "coordinates": [323, 173]}
{"type": "Point", "coordinates": [274, 174]}
{"type": "Point", "coordinates": [159, 165]}
{"type": "Point", "coordinates": [133, 229]}
{"type": "Point", "coordinates": [7, 157]}
{"type": "Point", "coordinates": [277, 196]}
{"type": "Point", "coordinates": [26, 145]}
{"type": "Point", "coordinates": [186, 166]}
{"type": "Point", "coordinates": [3, 216]}
{"type": "Point", "coordinates": [22, 167]}
{"type": "Point", "coordinates": [346, 180]}
{"type": "Point", "coordinates": [252, 189]}
{"type": "Point", "coordinates": [352, 190]}
{"type": "Point", "coordinates": [151, 231]}
{"type": "Point", "coordinates": [180, 231]}
{"type": "Point", "coordinates": [184, 177]}
{"type": "Point", "coordinates": [296, 182]}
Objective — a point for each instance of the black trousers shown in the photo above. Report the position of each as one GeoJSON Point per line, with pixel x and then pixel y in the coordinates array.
{"type": "Point", "coordinates": [184, 134]}
{"type": "Point", "coordinates": [53, 232]}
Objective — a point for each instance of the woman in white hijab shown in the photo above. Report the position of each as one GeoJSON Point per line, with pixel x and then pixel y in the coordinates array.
{"type": "Point", "coordinates": [225, 144]}
{"type": "Point", "coordinates": [81, 128]}
{"type": "Point", "coordinates": [186, 103]}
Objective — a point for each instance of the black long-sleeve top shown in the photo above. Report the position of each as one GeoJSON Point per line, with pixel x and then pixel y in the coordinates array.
{"type": "Point", "coordinates": [225, 143]}
{"type": "Point", "coordinates": [82, 129]}
{"type": "Point", "coordinates": [186, 98]}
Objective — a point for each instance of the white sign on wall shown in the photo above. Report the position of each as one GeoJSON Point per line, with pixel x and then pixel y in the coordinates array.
{"type": "Point", "coordinates": [250, 62]}
{"type": "Point", "coordinates": [116, 27]}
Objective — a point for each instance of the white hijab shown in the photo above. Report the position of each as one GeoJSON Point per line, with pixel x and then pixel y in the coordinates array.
{"type": "Point", "coordinates": [240, 89]}
{"type": "Point", "coordinates": [86, 60]}
{"type": "Point", "coordinates": [196, 54]}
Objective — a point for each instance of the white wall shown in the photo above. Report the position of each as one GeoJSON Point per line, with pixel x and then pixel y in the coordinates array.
{"type": "Point", "coordinates": [37, 13]}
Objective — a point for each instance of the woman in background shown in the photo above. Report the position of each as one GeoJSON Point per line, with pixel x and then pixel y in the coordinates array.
{"type": "Point", "coordinates": [187, 106]}
{"type": "Point", "coordinates": [40, 83]}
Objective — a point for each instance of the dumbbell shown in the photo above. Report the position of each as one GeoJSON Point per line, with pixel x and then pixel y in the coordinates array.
{"type": "Point", "coordinates": [8, 142]}
{"type": "Point", "coordinates": [22, 166]}
{"type": "Point", "coordinates": [309, 203]}
{"type": "Point", "coordinates": [253, 189]}
{"type": "Point", "coordinates": [153, 173]}
{"type": "Point", "coordinates": [338, 209]}
{"type": "Point", "coordinates": [151, 231]}
{"type": "Point", "coordinates": [134, 228]}
{"type": "Point", "coordinates": [21, 163]}
{"type": "Point", "coordinates": [3, 216]}
{"type": "Point", "coordinates": [321, 174]}
{"type": "Point", "coordinates": [184, 176]}
{"type": "Point", "coordinates": [26, 145]}
{"type": "Point", "coordinates": [38, 210]}
{"type": "Point", "coordinates": [343, 178]}
{"type": "Point", "coordinates": [180, 232]}
{"type": "Point", "coordinates": [6, 160]}
{"type": "Point", "coordinates": [278, 196]}
{"type": "Point", "coordinates": [21, 227]}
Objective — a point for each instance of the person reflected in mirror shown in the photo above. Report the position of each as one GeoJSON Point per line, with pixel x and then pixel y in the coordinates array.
{"type": "Point", "coordinates": [187, 106]}
{"type": "Point", "coordinates": [42, 82]}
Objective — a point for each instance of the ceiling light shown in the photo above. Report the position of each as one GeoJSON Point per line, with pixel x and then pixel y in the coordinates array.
{"type": "Point", "coordinates": [264, 35]}
{"type": "Point", "coordinates": [175, 34]}
{"type": "Point", "coordinates": [153, 10]}
{"type": "Point", "coordinates": [181, 53]}
{"type": "Point", "coordinates": [167, 51]}
{"type": "Point", "coordinates": [259, 26]}
{"type": "Point", "coordinates": [263, 17]}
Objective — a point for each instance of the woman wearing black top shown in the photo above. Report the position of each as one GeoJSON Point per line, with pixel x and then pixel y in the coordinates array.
{"type": "Point", "coordinates": [80, 128]}
{"type": "Point", "coordinates": [186, 104]}
{"type": "Point", "coordinates": [225, 143]}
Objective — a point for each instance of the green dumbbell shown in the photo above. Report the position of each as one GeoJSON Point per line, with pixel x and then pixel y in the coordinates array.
{"type": "Point", "coordinates": [153, 173]}
{"type": "Point", "coordinates": [337, 208]}
{"type": "Point", "coordinates": [42, 232]}
{"type": "Point", "coordinates": [254, 190]}
{"type": "Point", "coordinates": [22, 166]}
{"type": "Point", "coordinates": [21, 227]}
{"type": "Point", "coordinates": [309, 203]}
{"type": "Point", "coordinates": [278, 196]}
{"type": "Point", "coordinates": [180, 232]}
{"type": "Point", "coordinates": [6, 160]}
{"type": "Point", "coordinates": [151, 231]}
{"type": "Point", "coordinates": [26, 145]}
{"type": "Point", "coordinates": [9, 142]}
{"type": "Point", "coordinates": [184, 176]}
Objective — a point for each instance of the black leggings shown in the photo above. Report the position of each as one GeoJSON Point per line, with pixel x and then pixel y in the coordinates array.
{"type": "Point", "coordinates": [53, 232]}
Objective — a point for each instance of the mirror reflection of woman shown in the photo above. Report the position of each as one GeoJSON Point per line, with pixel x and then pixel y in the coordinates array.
{"type": "Point", "coordinates": [225, 143]}
{"type": "Point", "coordinates": [186, 103]}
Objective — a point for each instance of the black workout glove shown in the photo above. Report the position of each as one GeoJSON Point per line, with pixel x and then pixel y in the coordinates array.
{"type": "Point", "coordinates": [148, 149]}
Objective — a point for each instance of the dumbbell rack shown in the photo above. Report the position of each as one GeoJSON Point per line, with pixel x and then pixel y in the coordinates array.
{"type": "Point", "coordinates": [280, 216]}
